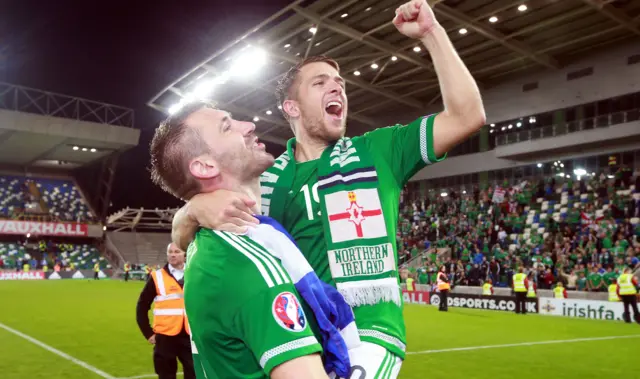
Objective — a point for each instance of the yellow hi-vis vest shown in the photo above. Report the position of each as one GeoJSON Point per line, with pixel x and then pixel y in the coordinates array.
{"type": "Point", "coordinates": [613, 295]}
{"type": "Point", "coordinates": [127, 268]}
{"type": "Point", "coordinates": [531, 291]}
{"type": "Point", "coordinates": [626, 285]}
{"type": "Point", "coordinates": [96, 267]}
{"type": "Point", "coordinates": [410, 284]}
{"type": "Point", "coordinates": [558, 292]}
{"type": "Point", "coordinates": [442, 285]}
{"type": "Point", "coordinates": [518, 282]}
{"type": "Point", "coordinates": [168, 313]}
{"type": "Point", "coordinates": [45, 268]}
{"type": "Point", "coordinates": [486, 289]}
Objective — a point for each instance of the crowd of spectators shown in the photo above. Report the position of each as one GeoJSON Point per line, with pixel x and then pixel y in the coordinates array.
{"type": "Point", "coordinates": [479, 236]}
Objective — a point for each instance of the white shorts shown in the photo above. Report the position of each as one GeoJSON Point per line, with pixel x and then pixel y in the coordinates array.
{"type": "Point", "coordinates": [370, 361]}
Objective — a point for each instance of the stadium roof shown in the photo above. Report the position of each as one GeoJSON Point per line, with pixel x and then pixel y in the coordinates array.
{"type": "Point", "coordinates": [386, 72]}
{"type": "Point", "coordinates": [49, 130]}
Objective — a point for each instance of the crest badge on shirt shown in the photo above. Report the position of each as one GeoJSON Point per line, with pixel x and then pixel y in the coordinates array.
{"type": "Point", "coordinates": [288, 312]}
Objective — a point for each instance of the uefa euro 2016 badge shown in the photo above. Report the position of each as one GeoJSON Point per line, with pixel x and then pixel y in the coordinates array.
{"type": "Point", "coordinates": [288, 312]}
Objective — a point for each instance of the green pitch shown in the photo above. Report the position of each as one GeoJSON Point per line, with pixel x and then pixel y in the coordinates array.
{"type": "Point", "coordinates": [94, 322]}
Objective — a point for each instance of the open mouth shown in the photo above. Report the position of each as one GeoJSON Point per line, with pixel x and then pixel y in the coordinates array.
{"type": "Point", "coordinates": [258, 144]}
{"type": "Point", "coordinates": [334, 109]}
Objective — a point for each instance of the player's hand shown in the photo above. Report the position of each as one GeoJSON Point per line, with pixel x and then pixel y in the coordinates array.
{"type": "Point", "coordinates": [222, 210]}
{"type": "Point", "coordinates": [415, 19]}
{"type": "Point", "coordinates": [152, 339]}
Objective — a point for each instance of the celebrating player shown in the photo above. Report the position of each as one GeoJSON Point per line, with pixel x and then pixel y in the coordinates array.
{"type": "Point", "coordinates": [338, 197]}
{"type": "Point", "coordinates": [241, 292]}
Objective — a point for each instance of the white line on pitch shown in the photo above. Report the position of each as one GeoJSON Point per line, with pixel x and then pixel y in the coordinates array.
{"type": "Point", "coordinates": [57, 352]}
{"type": "Point", "coordinates": [144, 376]}
{"type": "Point", "coordinates": [521, 344]}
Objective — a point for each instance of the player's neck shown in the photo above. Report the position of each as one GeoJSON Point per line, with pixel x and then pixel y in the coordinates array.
{"type": "Point", "coordinates": [308, 149]}
{"type": "Point", "coordinates": [251, 189]}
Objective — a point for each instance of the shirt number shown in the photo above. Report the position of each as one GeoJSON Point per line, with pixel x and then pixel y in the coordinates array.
{"type": "Point", "coordinates": [308, 194]}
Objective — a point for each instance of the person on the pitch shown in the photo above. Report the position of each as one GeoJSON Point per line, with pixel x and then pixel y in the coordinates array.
{"type": "Point", "coordinates": [520, 287]}
{"type": "Point", "coordinates": [628, 293]}
{"type": "Point", "coordinates": [613, 291]}
{"type": "Point", "coordinates": [487, 288]}
{"type": "Point", "coordinates": [96, 271]}
{"type": "Point", "coordinates": [127, 269]}
{"type": "Point", "coordinates": [410, 283]}
{"type": "Point", "coordinates": [532, 288]}
{"type": "Point", "coordinates": [443, 288]}
{"type": "Point", "coordinates": [559, 292]}
{"type": "Point", "coordinates": [170, 333]}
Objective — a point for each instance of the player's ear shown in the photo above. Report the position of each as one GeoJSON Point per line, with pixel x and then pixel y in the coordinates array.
{"type": "Point", "coordinates": [204, 167]}
{"type": "Point", "coordinates": [291, 108]}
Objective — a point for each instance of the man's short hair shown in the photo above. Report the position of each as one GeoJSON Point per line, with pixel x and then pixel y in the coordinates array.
{"type": "Point", "coordinates": [285, 87]}
{"type": "Point", "coordinates": [173, 146]}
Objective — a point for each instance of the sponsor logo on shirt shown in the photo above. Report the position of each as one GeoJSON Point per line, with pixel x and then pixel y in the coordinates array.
{"type": "Point", "coordinates": [288, 312]}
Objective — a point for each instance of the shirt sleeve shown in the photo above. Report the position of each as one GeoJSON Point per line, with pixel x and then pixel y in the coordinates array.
{"type": "Point", "coordinates": [406, 148]}
{"type": "Point", "coordinates": [275, 327]}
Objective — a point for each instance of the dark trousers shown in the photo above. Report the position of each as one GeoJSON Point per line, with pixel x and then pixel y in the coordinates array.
{"type": "Point", "coordinates": [95, 276]}
{"type": "Point", "coordinates": [521, 302]}
{"type": "Point", "coordinates": [630, 301]}
{"type": "Point", "coordinates": [166, 352]}
{"type": "Point", "coordinates": [126, 276]}
{"type": "Point", "coordinates": [444, 295]}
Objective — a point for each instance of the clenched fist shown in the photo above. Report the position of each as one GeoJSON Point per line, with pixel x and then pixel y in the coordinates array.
{"type": "Point", "coordinates": [415, 19]}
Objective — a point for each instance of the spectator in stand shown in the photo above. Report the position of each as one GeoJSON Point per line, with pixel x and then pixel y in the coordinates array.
{"type": "Point", "coordinates": [494, 270]}
{"type": "Point", "coordinates": [571, 279]}
{"type": "Point", "coordinates": [596, 283]}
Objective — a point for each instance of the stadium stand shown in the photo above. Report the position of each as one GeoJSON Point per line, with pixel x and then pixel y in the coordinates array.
{"type": "Point", "coordinates": [67, 255]}
{"type": "Point", "coordinates": [60, 198]}
{"type": "Point", "coordinates": [141, 247]}
{"type": "Point", "coordinates": [582, 232]}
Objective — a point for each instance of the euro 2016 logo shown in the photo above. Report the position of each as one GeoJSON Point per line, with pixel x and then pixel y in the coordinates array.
{"type": "Point", "coordinates": [288, 313]}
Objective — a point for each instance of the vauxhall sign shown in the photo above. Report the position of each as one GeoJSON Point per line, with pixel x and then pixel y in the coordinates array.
{"type": "Point", "coordinates": [43, 228]}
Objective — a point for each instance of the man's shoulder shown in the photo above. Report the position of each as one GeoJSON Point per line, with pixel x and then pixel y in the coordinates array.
{"type": "Point", "coordinates": [236, 260]}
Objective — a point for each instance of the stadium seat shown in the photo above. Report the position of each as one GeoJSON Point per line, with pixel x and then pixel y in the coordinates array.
{"type": "Point", "coordinates": [564, 201]}
{"type": "Point", "coordinates": [545, 206]}
{"type": "Point", "coordinates": [541, 230]}
{"type": "Point", "coordinates": [543, 216]}
{"type": "Point", "coordinates": [557, 207]}
{"type": "Point", "coordinates": [545, 235]}
{"type": "Point", "coordinates": [634, 220]}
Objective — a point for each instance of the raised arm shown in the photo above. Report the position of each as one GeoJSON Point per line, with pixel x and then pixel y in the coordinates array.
{"type": "Point", "coordinates": [463, 112]}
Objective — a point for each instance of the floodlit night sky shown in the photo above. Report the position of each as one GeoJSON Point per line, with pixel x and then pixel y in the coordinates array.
{"type": "Point", "coordinates": [119, 52]}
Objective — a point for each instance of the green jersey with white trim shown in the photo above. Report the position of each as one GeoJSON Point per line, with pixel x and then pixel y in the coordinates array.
{"type": "Point", "coordinates": [398, 153]}
{"type": "Point", "coordinates": [245, 314]}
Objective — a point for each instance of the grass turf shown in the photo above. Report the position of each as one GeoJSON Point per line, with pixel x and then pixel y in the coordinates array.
{"type": "Point", "coordinates": [95, 323]}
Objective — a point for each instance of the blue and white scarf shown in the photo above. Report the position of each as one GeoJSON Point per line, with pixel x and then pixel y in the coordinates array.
{"type": "Point", "coordinates": [334, 316]}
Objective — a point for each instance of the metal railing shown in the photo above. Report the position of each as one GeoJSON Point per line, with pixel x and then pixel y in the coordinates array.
{"type": "Point", "coordinates": [24, 99]}
{"type": "Point", "coordinates": [555, 130]}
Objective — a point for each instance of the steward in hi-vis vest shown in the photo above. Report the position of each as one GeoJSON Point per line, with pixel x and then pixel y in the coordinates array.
{"type": "Point", "coordinates": [443, 287]}
{"type": "Point", "coordinates": [520, 287]}
{"type": "Point", "coordinates": [127, 268]}
{"type": "Point", "coordinates": [487, 288]}
{"type": "Point", "coordinates": [628, 291]}
{"type": "Point", "coordinates": [170, 332]}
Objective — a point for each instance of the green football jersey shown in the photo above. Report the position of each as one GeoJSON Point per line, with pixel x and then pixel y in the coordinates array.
{"type": "Point", "coordinates": [245, 314]}
{"type": "Point", "coordinates": [398, 153]}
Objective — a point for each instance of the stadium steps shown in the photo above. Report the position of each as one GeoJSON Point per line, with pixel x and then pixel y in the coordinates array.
{"type": "Point", "coordinates": [147, 248]}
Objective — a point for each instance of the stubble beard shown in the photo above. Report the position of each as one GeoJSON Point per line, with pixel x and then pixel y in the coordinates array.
{"type": "Point", "coordinates": [316, 129]}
